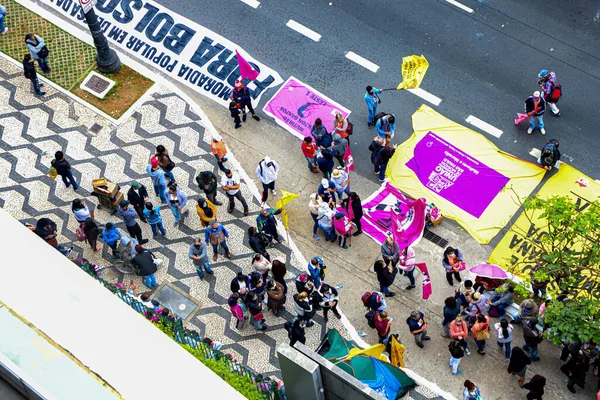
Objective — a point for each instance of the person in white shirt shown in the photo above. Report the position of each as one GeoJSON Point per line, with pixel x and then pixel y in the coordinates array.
{"type": "Point", "coordinates": [407, 264]}
{"type": "Point", "coordinates": [267, 171]}
{"type": "Point", "coordinates": [230, 183]}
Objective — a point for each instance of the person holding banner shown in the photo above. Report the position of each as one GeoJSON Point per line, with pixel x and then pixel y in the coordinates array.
{"type": "Point", "coordinates": [452, 262]}
{"type": "Point", "coordinates": [373, 101]}
{"type": "Point", "coordinates": [241, 95]}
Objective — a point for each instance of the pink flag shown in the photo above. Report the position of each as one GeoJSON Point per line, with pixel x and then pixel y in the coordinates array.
{"type": "Point", "coordinates": [520, 118]}
{"type": "Point", "coordinates": [348, 159]}
{"type": "Point", "coordinates": [246, 70]}
{"type": "Point", "coordinates": [426, 280]}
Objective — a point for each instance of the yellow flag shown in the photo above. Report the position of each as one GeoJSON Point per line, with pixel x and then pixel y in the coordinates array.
{"type": "Point", "coordinates": [286, 197]}
{"type": "Point", "coordinates": [375, 351]}
{"type": "Point", "coordinates": [397, 355]}
{"type": "Point", "coordinates": [413, 72]}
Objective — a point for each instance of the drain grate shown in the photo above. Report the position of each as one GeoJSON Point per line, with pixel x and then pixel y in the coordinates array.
{"type": "Point", "coordinates": [96, 128]}
{"type": "Point", "coordinates": [97, 84]}
{"type": "Point", "coordinates": [432, 237]}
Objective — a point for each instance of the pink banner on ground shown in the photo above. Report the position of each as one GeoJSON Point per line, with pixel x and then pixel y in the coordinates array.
{"type": "Point", "coordinates": [296, 106]}
{"type": "Point", "coordinates": [388, 210]}
{"type": "Point", "coordinates": [454, 175]}
{"type": "Point", "coordinates": [426, 280]}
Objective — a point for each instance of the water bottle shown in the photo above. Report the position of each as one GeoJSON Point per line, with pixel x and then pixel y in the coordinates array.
{"type": "Point", "coordinates": [339, 286]}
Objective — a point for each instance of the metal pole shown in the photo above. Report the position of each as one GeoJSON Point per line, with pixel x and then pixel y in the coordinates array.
{"type": "Point", "coordinates": [106, 58]}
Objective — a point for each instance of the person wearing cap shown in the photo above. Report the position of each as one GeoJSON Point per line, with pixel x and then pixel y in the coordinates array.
{"type": "Point", "coordinates": [373, 101]}
{"type": "Point", "coordinates": [230, 183]}
{"type": "Point", "coordinates": [128, 215]}
{"type": "Point", "coordinates": [199, 256]}
{"type": "Point", "coordinates": [267, 171]}
{"type": "Point", "coordinates": [417, 324]}
{"type": "Point", "coordinates": [138, 196]}
{"type": "Point", "coordinates": [535, 105]}
{"type": "Point", "coordinates": [339, 148]}
{"type": "Point", "coordinates": [158, 179]}
{"type": "Point", "coordinates": [343, 227]}
{"type": "Point", "coordinates": [326, 191]}
{"type": "Point", "coordinates": [207, 182]}
{"type": "Point", "coordinates": [218, 149]}
{"type": "Point", "coordinates": [241, 95]}
{"type": "Point", "coordinates": [341, 180]}
{"type": "Point", "coordinates": [206, 210]}
{"type": "Point", "coordinates": [386, 126]}
{"type": "Point", "coordinates": [547, 81]}
{"type": "Point", "coordinates": [111, 235]}
{"type": "Point", "coordinates": [267, 223]}
{"type": "Point", "coordinates": [146, 266]}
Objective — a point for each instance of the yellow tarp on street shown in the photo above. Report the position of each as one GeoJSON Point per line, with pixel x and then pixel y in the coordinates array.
{"type": "Point", "coordinates": [516, 247]}
{"type": "Point", "coordinates": [469, 165]}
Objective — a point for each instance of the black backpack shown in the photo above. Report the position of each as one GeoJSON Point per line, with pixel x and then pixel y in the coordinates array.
{"type": "Point", "coordinates": [378, 116]}
{"type": "Point", "coordinates": [288, 327]}
{"type": "Point", "coordinates": [370, 316]}
{"type": "Point", "coordinates": [376, 157]}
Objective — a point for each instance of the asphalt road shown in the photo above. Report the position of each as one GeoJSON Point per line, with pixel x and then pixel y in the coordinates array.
{"type": "Point", "coordinates": [483, 63]}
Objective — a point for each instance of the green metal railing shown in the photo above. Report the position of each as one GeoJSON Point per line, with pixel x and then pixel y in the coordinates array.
{"type": "Point", "coordinates": [185, 337]}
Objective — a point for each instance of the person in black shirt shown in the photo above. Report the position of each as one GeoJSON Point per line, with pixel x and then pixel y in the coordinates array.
{"type": "Point", "coordinates": [63, 168]}
{"type": "Point", "coordinates": [29, 72]}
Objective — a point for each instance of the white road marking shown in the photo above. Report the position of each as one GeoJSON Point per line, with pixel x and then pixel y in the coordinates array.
{"type": "Point", "coordinates": [461, 6]}
{"type": "Point", "coordinates": [484, 126]}
{"type": "Point", "coordinates": [425, 95]}
{"type": "Point", "coordinates": [252, 3]}
{"type": "Point", "coordinates": [536, 153]}
{"type": "Point", "coordinates": [362, 61]}
{"type": "Point", "coordinates": [301, 29]}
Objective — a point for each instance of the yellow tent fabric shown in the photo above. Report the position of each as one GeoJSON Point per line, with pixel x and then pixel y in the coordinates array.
{"type": "Point", "coordinates": [516, 249]}
{"type": "Point", "coordinates": [397, 350]}
{"type": "Point", "coordinates": [286, 197]}
{"type": "Point", "coordinates": [413, 71]}
{"type": "Point", "coordinates": [524, 176]}
{"type": "Point", "coordinates": [375, 351]}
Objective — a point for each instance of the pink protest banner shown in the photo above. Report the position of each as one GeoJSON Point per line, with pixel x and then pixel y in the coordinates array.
{"type": "Point", "coordinates": [348, 159]}
{"type": "Point", "coordinates": [426, 280]}
{"type": "Point", "coordinates": [388, 210]}
{"type": "Point", "coordinates": [296, 106]}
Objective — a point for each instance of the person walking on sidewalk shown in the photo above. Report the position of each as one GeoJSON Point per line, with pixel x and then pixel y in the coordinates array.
{"type": "Point", "coordinates": [504, 330]}
{"type": "Point", "coordinates": [206, 210]}
{"type": "Point", "coordinates": [452, 261]}
{"type": "Point", "coordinates": [91, 231]}
{"type": "Point", "coordinates": [216, 235]}
{"type": "Point", "coordinates": [38, 50]}
{"type": "Point", "coordinates": [456, 353]}
{"type": "Point", "coordinates": [552, 91]}
{"type": "Point", "coordinates": [29, 73]}
{"type": "Point", "coordinates": [451, 311]}
{"type": "Point", "coordinates": [207, 182]}
{"type": "Point", "coordinates": [407, 264]}
{"type": "Point", "coordinates": [481, 332]}
{"type": "Point", "coordinates": [199, 255]}
{"type": "Point", "coordinates": [535, 105]}
{"type": "Point", "coordinates": [165, 162]}
{"type": "Point", "coordinates": [3, 13]}
{"type": "Point", "coordinates": [518, 364]}
{"type": "Point", "coordinates": [128, 215]}
{"type": "Point", "coordinates": [241, 95]}
{"type": "Point", "coordinates": [386, 274]}
{"type": "Point", "coordinates": [310, 149]}
{"type": "Point", "coordinates": [218, 149]}
{"type": "Point", "coordinates": [383, 326]}
{"type": "Point", "coordinates": [230, 183]}
{"type": "Point", "coordinates": [153, 217]}
{"type": "Point", "coordinates": [353, 207]}
{"type": "Point", "coordinates": [177, 202]}
{"type": "Point", "coordinates": [460, 332]}
{"type": "Point", "coordinates": [158, 179]}
{"type": "Point", "coordinates": [471, 391]}
{"type": "Point", "coordinates": [373, 101]}
{"type": "Point", "coordinates": [138, 196]}
{"type": "Point", "coordinates": [417, 324]}
{"type": "Point", "coordinates": [63, 168]}
{"type": "Point", "coordinates": [267, 171]}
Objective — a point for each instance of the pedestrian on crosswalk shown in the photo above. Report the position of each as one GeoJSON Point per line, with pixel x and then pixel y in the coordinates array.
{"type": "Point", "coordinates": [63, 168]}
{"type": "Point", "coordinates": [29, 73]}
{"type": "Point", "coordinates": [373, 101]}
{"type": "Point", "coordinates": [535, 105]}
{"type": "Point", "coordinates": [158, 179]}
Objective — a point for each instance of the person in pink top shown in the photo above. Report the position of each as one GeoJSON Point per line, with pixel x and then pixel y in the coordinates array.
{"type": "Point", "coordinates": [343, 227]}
{"type": "Point", "coordinates": [407, 264]}
{"type": "Point", "coordinates": [460, 332]}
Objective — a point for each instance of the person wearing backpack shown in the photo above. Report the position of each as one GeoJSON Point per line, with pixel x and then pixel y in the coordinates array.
{"type": "Point", "coordinates": [374, 301]}
{"type": "Point", "coordinates": [38, 50]}
{"type": "Point", "coordinates": [550, 155]}
{"type": "Point", "coordinates": [535, 105]}
{"type": "Point", "coordinates": [29, 73]}
{"type": "Point", "coordinates": [552, 90]}
{"type": "Point", "coordinates": [266, 172]}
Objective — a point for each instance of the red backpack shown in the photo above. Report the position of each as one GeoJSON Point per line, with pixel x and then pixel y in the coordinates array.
{"type": "Point", "coordinates": [80, 233]}
{"type": "Point", "coordinates": [555, 94]}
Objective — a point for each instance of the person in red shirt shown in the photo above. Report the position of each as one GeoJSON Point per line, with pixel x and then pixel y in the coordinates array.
{"type": "Point", "coordinates": [383, 325]}
{"type": "Point", "coordinates": [309, 149]}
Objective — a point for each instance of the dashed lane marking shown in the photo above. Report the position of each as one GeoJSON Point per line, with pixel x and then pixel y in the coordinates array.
{"type": "Point", "coordinates": [363, 62]}
{"type": "Point", "coordinates": [251, 3]}
{"type": "Point", "coordinates": [461, 6]}
{"type": "Point", "coordinates": [301, 29]}
{"type": "Point", "coordinates": [484, 126]}
{"type": "Point", "coordinates": [425, 95]}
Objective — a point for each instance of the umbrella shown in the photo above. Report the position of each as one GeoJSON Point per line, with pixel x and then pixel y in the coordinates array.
{"type": "Point", "coordinates": [520, 118]}
{"type": "Point", "coordinates": [489, 271]}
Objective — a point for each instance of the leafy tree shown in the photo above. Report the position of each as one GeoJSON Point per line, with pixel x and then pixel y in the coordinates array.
{"type": "Point", "coordinates": [567, 257]}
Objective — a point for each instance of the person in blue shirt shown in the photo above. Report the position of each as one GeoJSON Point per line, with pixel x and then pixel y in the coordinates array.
{"type": "Point", "coordinates": [372, 100]}
{"type": "Point", "coordinates": [417, 324]}
{"type": "Point", "coordinates": [386, 126]}
{"type": "Point", "coordinates": [111, 235]}
{"type": "Point", "coordinates": [315, 266]}
{"type": "Point", "coordinates": [152, 214]}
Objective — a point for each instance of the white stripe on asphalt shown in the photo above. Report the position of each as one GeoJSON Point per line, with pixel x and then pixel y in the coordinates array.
{"type": "Point", "coordinates": [484, 126]}
{"type": "Point", "coordinates": [301, 29]}
{"type": "Point", "coordinates": [252, 3]}
{"type": "Point", "coordinates": [425, 95]}
{"type": "Point", "coordinates": [536, 153]}
{"type": "Point", "coordinates": [362, 61]}
{"type": "Point", "coordinates": [461, 6]}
